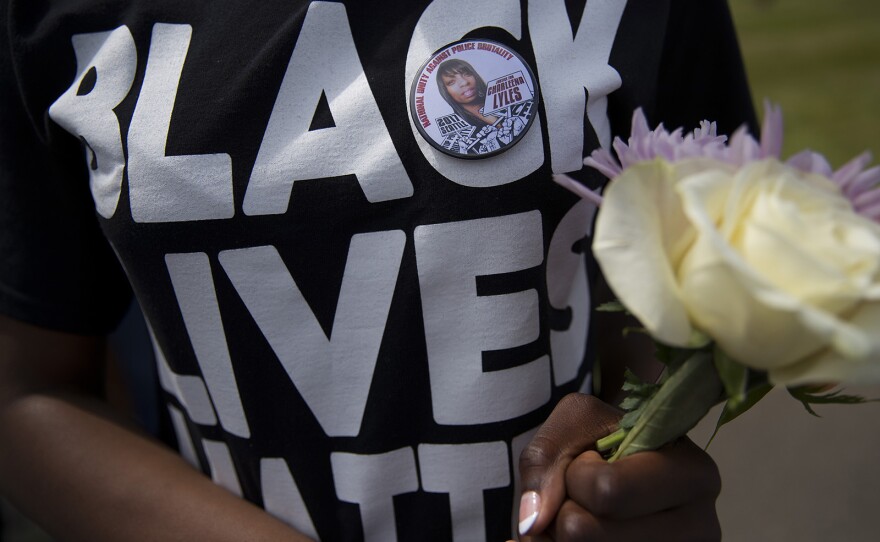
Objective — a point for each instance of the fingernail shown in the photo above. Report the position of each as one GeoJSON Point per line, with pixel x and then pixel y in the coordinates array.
{"type": "Point", "coordinates": [529, 506]}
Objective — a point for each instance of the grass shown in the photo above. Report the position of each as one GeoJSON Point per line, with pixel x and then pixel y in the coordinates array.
{"type": "Point", "coordinates": [820, 60]}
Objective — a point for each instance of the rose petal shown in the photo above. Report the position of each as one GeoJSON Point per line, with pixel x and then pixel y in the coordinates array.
{"type": "Point", "coordinates": [638, 227]}
{"type": "Point", "coordinates": [830, 365]}
{"type": "Point", "coordinates": [744, 312]}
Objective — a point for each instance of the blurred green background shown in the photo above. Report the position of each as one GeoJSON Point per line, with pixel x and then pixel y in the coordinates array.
{"type": "Point", "coordinates": [819, 59]}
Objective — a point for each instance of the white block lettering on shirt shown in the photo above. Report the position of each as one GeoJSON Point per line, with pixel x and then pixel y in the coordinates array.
{"type": "Point", "coordinates": [569, 64]}
{"type": "Point", "coordinates": [460, 325]}
{"type": "Point", "coordinates": [372, 481]}
{"type": "Point", "coordinates": [333, 374]}
{"type": "Point", "coordinates": [184, 439]}
{"type": "Point", "coordinates": [189, 390]}
{"type": "Point", "coordinates": [223, 471]}
{"type": "Point", "coordinates": [112, 57]}
{"type": "Point", "coordinates": [567, 288]}
{"type": "Point", "coordinates": [281, 496]}
{"type": "Point", "coordinates": [171, 188]}
{"type": "Point", "coordinates": [464, 471]}
{"type": "Point", "coordinates": [193, 285]}
{"type": "Point", "coordinates": [325, 60]}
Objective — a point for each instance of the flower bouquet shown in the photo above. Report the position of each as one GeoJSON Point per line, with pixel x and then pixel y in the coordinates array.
{"type": "Point", "coordinates": [747, 271]}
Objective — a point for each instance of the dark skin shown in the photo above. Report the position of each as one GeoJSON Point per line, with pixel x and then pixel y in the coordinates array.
{"type": "Point", "coordinates": [669, 493]}
{"type": "Point", "coordinates": [83, 473]}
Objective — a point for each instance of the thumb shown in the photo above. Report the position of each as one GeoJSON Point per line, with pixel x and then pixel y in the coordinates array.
{"type": "Point", "coordinates": [573, 427]}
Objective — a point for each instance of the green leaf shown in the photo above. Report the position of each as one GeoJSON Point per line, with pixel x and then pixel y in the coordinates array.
{"type": "Point", "coordinates": [671, 356]}
{"type": "Point", "coordinates": [662, 353]}
{"type": "Point", "coordinates": [635, 386]}
{"type": "Point", "coordinates": [811, 395]}
{"type": "Point", "coordinates": [611, 306]}
{"type": "Point", "coordinates": [634, 329]}
{"type": "Point", "coordinates": [638, 394]}
{"type": "Point", "coordinates": [630, 379]}
{"type": "Point", "coordinates": [630, 403]}
{"type": "Point", "coordinates": [675, 358]}
{"type": "Point", "coordinates": [733, 408]}
{"type": "Point", "coordinates": [629, 420]}
{"type": "Point", "coordinates": [683, 398]}
{"type": "Point", "coordinates": [733, 375]}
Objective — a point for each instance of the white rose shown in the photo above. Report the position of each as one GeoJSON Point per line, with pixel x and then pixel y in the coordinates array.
{"type": "Point", "coordinates": [770, 262]}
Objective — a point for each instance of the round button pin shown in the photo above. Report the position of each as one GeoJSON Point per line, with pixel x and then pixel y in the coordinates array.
{"type": "Point", "coordinates": [473, 99]}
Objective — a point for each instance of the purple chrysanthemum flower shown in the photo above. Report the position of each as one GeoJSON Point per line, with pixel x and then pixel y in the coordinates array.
{"type": "Point", "coordinates": [858, 184]}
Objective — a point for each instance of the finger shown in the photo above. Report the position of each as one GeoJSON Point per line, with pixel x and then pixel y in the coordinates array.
{"type": "Point", "coordinates": [643, 483]}
{"type": "Point", "coordinates": [573, 426]}
{"type": "Point", "coordinates": [696, 522]}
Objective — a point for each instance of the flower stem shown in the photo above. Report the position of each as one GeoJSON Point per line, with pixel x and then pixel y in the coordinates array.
{"type": "Point", "coordinates": [612, 440]}
{"type": "Point", "coordinates": [684, 397]}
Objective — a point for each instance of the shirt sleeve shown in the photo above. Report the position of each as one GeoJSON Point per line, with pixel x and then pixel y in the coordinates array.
{"type": "Point", "coordinates": [57, 269]}
{"type": "Point", "coordinates": [698, 70]}
{"type": "Point", "coordinates": [702, 72]}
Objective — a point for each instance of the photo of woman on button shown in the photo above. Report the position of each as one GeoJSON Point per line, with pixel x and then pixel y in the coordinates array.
{"type": "Point", "coordinates": [465, 91]}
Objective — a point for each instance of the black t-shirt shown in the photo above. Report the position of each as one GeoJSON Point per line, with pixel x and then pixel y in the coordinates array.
{"type": "Point", "coordinates": [353, 330]}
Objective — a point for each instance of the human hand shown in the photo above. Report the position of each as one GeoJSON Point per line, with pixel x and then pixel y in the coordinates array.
{"type": "Point", "coordinates": [571, 494]}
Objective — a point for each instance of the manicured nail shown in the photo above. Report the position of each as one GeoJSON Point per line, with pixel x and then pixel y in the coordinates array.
{"type": "Point", "coordinates": [529, 506]}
